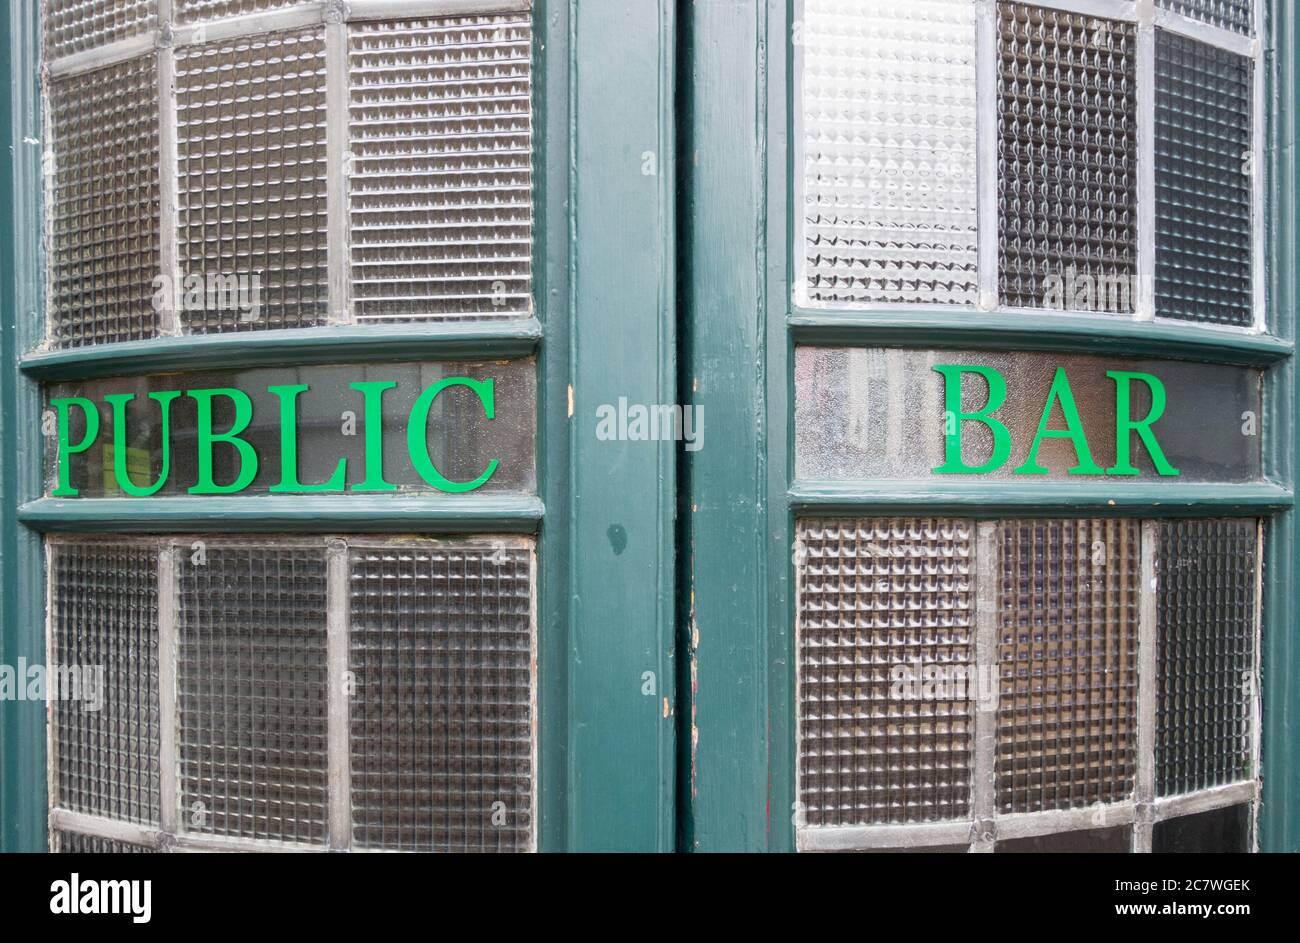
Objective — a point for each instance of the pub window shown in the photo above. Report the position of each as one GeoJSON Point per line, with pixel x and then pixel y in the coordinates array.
{"type": "Point", "coordinates": [1081, 678]}
{"type": "Point", "coordinates": [226, 202]}
{"type": "Point", "coordinates": [309, 176]}
{"type": "Point", "coordinates": [1029, 158]}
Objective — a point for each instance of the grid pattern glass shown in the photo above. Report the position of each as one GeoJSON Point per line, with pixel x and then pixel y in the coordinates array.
{"type": "Point", "coordinates": [252, 690]}
{"type": "Point", "coordinates": [1235, 15]}
{"type": "Point", "coordinates": [441, 649]}
{"type": "Point", "coordinates": [252, 202]}
{"type": "Point", "coordinates": [1203, 187]}
{"type": "Point", "coordinates": [1067, 158]}
{"type": "Point", "coordinates": [1207, 604]}
{"type": "Point", "coordinates": [104, 617]}
{"type": "Point", "coordinates": [1067, 615]}
{"type": "Point", "coordinates": [441, 183]}
{"type": "Point", "coordinates": [194, 11]}
{"type": "Point", "coordinates": [888, 136]}
{"type": "Point", "coordinates": [75, 843]}
{"type": "Point", "coordinates": [879, 598]}
{"type": "Point", "coordinates": [104, 204]}
{"type": "Point", "coordinates": [77, 25]}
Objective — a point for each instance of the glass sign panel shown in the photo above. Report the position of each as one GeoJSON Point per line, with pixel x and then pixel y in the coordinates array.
{"type": "Point", "coordinates": [885, 414]}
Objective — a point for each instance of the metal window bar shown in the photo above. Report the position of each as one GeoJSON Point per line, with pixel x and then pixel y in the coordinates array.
{"type": "Point", "coordinates": [822, 567]}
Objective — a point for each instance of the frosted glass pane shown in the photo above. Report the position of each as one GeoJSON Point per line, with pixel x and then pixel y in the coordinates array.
{"type": "Point", "coordinates": [1067, 157]}
{"type": "Point", "coordinates": [1067, 658]}
{"type": "Point", "coordinates": [887, 93]}
{"type": "Point", "coordinates": [441, 183]}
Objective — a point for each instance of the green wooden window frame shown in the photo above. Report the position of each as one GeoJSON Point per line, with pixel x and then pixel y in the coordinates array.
{"type": "Point", "coordinates": [737, 237]}
{"type": "Point", "coordinates": [605, 607]}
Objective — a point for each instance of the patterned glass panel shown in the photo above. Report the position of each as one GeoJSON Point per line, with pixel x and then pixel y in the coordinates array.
{"type": "Point", "coordinates": [1067, 652]}
{"type": "Point", "coordinates": [105, 204]}
{"type": "Point", "coordinates": [888, 138]}
{"type": "Point", "coordinates": [1207, 605]}
{"type": "Point", "coordinates": [251, 129]}
{"type": "Point", "coordinates": [441, 182]}
{"type": "Point", "coordinates": [252, 690]}
{"type": "Point", "coordinates": [1067, 160]}
{"type": "Point", "coordinates": [77, 25]}
{"type": "Point", "coordinates": [885, 607]}
{"type": "Point", "coordinates": [104, 630]}
{"type": "Point", "coordinates": [442, 719]}
{"type": "Point", "coordinates": [1203, 188]}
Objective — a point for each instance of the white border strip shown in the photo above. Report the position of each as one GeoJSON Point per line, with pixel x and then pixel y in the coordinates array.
{"type": "Point", "coordinates": [1172, 807]}
{"type": "Point", "coordinates": [1145, 303]}
{"type": "Point", "coordinates": [169, 321]}
{"type": "Point", "coordinates": [405, 9]}
{"type": "Point", "coordinates": [1213, 35]}
{"type": "Point", "coordinates": [337, 169]}
{"type": "Point", "coordinates": [1259, 176]}
{"type": "Point", "coordinates": [986, 152]}
{"type": "Point", "coordinates": [336, 627]}
{"type": "Point", "coordinates": [1125, 10]}
{"type": "Point", "coordinates": [798, 169]}
{"type": "Point", "coordinates": [168, 788]}
{"type": "Point", "coordinates": [1034, 824]}
{"type": "Point", "coordinates": [1147, 693]}
{"type": "Point", "coordinates": [109, 54]}
{"type": "Point", "coordinates": [852, 838]}
{"type": "Point", "coordinates": [94, 826]}
{"type": "Point", "coordinates": [253, 24]}
{"type": "Point", "coordinates": [983, 797]}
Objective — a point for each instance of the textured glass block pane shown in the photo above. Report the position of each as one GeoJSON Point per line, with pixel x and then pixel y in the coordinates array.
{"type": "Point", "coordinates": [1067, 658]}
{"type": "Point", "coordinates": [442, 722]}
{"type": "Point", "coordinates": [1204, 101]}
{"type": "Point", "coordinates": [252, 690]}
{"type": "Point", "coordinates": [76, 25]}
{"type": "Point", "coordinates": [885, 606]}
{"type": "Point", "coordinates": [1207, 604]}
{"type": "Point", "coordinates": [104, 630]}
{"type": "Point", "coordinates": [461, 441]}
{"type": "Point", "coordinates": [441, 182]}
{"type": "Point", "coordinates": [192, 11]}
{"type": "Point", "coordinates": [888, 138]}
{"type": "Point", "coordinates": [75, 843]}
{"type": "Point", "coordinates": [1236, 15]}
{"type": "Point", "coordinates": [105, 207]}
{"type": "Point", "coordinates": [866, 413]}
{"type": "Point", "coordinates": [251, 127]}
{"type": "Point", "coordinates": [1219, 831]}
{"type": "Point", "coordinates": [1067, 160]}
{"type": "Point", "coordinates": [1094, 841]}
